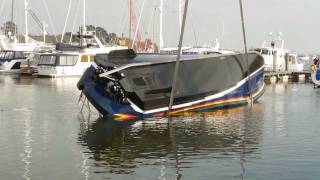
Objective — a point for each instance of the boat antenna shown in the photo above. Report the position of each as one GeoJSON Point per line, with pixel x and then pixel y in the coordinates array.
{"type": "Point", "coordinates": [246, 51]}
{"type": "Point", "coordinates": [176, 71]}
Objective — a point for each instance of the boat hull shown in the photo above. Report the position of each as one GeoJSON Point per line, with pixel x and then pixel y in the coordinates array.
{"type": "Point", "coordinates": [203, 84]}
{"type": "Point", "coordinates": [11, 66]}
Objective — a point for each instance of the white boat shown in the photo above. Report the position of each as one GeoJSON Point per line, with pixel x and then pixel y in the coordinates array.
{"type": "Point", "coordinates": [14, 53]}
{"type": "Point", "coordinates": [69, 63]}
{"type": "Point", "coordinates": [10, 60]}
{"type": "Point", "coordinates": [277, 58]}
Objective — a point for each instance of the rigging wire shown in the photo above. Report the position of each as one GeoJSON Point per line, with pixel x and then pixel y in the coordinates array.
{"type": "Point", "coordinates": [150, 25]}
{"type": "Point", "coordinates": [194, 30]}
{"type": "Point", "coordinates": [74, 21]}
{"type": "Point", "coordinates": [139, 21]}
{"type": "Point", "coordinates": [50, 19]}
{"type": "Point", "coordinates": [66, 21]}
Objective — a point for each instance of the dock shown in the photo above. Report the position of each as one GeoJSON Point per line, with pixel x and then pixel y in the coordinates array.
{"type": "Point", "coordinates": [283, 75]}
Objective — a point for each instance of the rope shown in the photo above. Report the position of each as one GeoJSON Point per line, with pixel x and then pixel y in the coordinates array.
{"type": "Point", "coordinates": [246, 50]}
{"type": "Point", "coordinates": [74, 21]}
{"type": "Point", "coordinates": [137, 28]}
{"type": "Point", "coordinates": [50, 19]}
{"type": "Point", "coordinates": [65, 23]}
{"type": "Point", "coordinates": [176, 71]}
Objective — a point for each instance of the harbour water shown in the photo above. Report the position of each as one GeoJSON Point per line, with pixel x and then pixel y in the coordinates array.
{"type": "Point", "coordinates": [43, 135]}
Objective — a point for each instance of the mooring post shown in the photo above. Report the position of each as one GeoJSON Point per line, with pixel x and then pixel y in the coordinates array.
{"type": "Point", "coordinates": [176, 71]}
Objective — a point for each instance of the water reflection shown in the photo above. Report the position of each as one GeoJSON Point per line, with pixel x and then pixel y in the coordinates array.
{"type": "Point", "coordinates": [174, 144]}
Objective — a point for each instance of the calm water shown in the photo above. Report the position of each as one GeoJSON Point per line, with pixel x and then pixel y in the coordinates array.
{"type": "Point", "coordinates": [43, 135]}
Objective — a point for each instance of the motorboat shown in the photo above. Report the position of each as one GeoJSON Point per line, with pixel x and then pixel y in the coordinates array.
{"type": "Point", "coordinates": [124, 85]}
{"type": "Point", "coordinates": [69, 60]}
{"type": "Point", "coordinates": [277, 58]}
{"type": "Point", "coordinates": [10, 60]}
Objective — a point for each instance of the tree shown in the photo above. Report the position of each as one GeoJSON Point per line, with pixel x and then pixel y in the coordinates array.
{"type": "Point", "coordinates": [9, 26]}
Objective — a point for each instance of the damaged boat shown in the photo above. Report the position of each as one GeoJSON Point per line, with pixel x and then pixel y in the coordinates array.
{"type": "Point", "coordinates": [125, 85]}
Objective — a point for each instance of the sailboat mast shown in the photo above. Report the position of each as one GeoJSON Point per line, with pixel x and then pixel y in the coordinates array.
{"type": "Point", "coordinates": [12, 7]}
{"type": "Point", "coordinates": [84, 13]}
{"type": "Point", "coordinates": [161, 25]}
{"type": "Point", "coordinates": [26, 20]}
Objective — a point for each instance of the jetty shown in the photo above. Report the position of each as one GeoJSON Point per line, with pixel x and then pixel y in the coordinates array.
{"type": "Point", "coordinates": [280, 75]}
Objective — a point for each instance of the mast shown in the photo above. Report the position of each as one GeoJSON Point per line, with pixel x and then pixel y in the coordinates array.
{"type": "Point", "coordinates": [26, 20]}
{"type": "Point", "coordinates": [161, 24]}
{"type": "Point", "coordinates": [12, 7]}
{"type": "Point", "coordinates": [84, 13]}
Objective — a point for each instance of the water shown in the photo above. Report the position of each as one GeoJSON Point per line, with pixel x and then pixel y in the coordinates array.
{"type": "Point", "coordinates": [43, 135]}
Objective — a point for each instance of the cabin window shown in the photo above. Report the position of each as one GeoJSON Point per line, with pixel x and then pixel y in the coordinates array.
{"type": "Point", "coordinates": [84, 58]}
{"type": "Point", "coordinates": [9, 55]}
{"type": "Point", "coordinates": [2, 55]}
{"type": "Point", "coordinates": [63, 60]}
{"type": "Point", "coordinates": [67, 60]}
{"type": "Point", "coordinates": [47, 60]}
{"type": "Point", "coordinates": [265, 52]}
{"type": "Point", "coordinates": [20, 55]}
{"type": "Point", "coordinates": [139, 81]}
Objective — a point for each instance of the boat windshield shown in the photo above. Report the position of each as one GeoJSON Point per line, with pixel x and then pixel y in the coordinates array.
{"type": "Point", "coordinates": [10, 55]}
{"type": "Point", "coordinates": [47, 60]}
{"type": "Point", "coordinates": [6, 55]}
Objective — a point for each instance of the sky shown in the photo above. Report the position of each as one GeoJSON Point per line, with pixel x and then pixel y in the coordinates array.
{"type": "Point", "coordinates": [207, 20]}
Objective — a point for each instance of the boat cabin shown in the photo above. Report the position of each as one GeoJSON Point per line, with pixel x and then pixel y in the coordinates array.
{"type": "Point", "coordinates": [12, 55]}
{"type": "Point", "coordinates": [11, 60]}
{"type": "Point", "coordinates": [63, 59]}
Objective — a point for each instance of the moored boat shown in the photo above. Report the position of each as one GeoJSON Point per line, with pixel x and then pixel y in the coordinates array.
{"type": "Point", "coordinates": [10, 60]}
{"type": "Point", "coordinates": [315, 76]}
{"type": "Point", "coordinates": [68, 61]}
{"type": "Point", "coordinates": [125, 85]}
{"type": "Point", "coordinates": [277, 58]}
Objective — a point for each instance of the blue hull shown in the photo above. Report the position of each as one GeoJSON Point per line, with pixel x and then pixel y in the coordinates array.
{"type": "Point", "coordinates": [237, 95]}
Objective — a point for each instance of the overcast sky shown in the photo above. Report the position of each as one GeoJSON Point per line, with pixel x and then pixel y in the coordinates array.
{"type": "Point", "coordinates": [207, 20]}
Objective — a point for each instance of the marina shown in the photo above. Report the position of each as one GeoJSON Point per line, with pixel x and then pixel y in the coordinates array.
{"type": "Point", "coordinates": [159, 89]}
{"type": "Point", "coordinates": [41, 136]}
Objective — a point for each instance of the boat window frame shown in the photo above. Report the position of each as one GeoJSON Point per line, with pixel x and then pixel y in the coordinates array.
{"type": "Point", "coordinates": [69, 58]}
{"type": "Point", "coordinates": [47, 64]}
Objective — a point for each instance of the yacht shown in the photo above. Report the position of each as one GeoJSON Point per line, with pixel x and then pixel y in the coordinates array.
{"type": "Point", "coordinates": [10, 60]}
{"type": "Point", "coordinates": [277, 58]}
{"type": "Point", "coordinates": [124, 85]}
{"type": "Point", "coordinates": [69, 61]}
